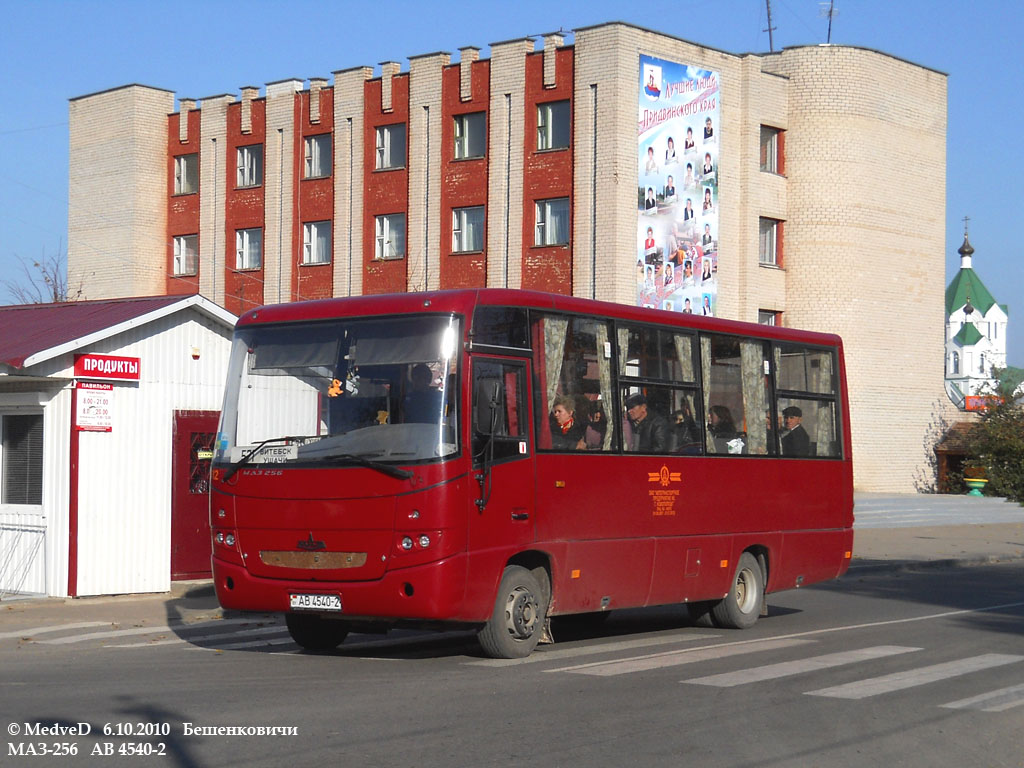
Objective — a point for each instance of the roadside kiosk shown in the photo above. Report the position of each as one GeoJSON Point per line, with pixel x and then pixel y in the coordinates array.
{"type": "Point", "coordinates": [108, 410]}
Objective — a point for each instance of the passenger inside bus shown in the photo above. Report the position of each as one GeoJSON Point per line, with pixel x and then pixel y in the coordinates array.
{"type": "Point", "coordinates": [650, 430]}
{"type": "Point", "coordinates": [423, 402]}
{"type": "Point", "coordinates": [568, 433]}
{"type": "Point", "coordinates": [685, 432]}
{"type": "Point", "coordinates": [722, 430]}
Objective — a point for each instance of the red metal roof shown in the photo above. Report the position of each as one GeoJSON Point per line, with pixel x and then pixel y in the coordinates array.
{"type": "Point", "coordinates": [27, 329]}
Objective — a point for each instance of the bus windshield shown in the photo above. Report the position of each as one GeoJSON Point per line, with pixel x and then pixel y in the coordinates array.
{"type": "Point", "coordinates": [342, 391]}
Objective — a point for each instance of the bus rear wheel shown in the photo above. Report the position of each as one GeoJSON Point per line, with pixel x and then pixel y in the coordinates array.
{"type": "Point", "coordinates": [314, 633]}
{"type": "Point", "coordinates": [517, 623]}
{"type": "Point", "coordinates": [741, 607]}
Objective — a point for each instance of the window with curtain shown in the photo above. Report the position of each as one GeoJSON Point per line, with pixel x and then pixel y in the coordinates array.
{"type": "Point", "coordinates": [468, 229]}
{"type": "Point", "coordinates": [552, 222]}
{"type": "Point", "coordinates": [186, 253]}
{"type": "Point", "coordinates": [658, 364]}
{"type": "Point", "coordinates": [768, 243]}
{"type": "Point", "coordinates": [186, 174]}
{"type": "Point", "coordinates": [248, 248]}
{"type": "Point", "coordinates": [806, 408]}
{"type": "Point", "coordinates": [316, 242]}
{"type": "Point", "coordinates": [771, 161]}
{"type": "Point", "coordinates": [318, 156]}
{"type": "Point", "coordinates": [736, 389]}
{"type": "Point", "coordinates": [576, 371]}
{"type": "Point", "coordinates": [470, 135]}
{"type": "Point", "coordinates": [250, 166]}
{"type": "Point", "coordinates": [553, 125]}
{"type": "Point", "coordinates": [390, 146]}
{"type": "Point", "coordinates": [390, 236]}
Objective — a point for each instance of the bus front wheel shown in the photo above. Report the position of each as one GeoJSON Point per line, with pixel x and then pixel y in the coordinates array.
{"type": "Point", "coordinates": [741, 607]}
{"type": "Point", "coordinates": [517, 623]}
{"type": "Point", "coordinates": [313, 633]}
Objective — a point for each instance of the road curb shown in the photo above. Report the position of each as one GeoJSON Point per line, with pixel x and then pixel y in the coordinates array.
{"type": "Point", "coordinates": [883, 566]}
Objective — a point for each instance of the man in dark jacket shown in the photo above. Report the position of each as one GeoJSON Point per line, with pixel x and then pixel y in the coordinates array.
{"type": "Point", "coordinates": [651, 432]}
{"type": "Point", "coordinates": [796, 441]}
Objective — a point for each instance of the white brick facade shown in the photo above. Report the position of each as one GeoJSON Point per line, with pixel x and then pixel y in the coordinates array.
{"type": "Point", "coordinates": [862, 198]}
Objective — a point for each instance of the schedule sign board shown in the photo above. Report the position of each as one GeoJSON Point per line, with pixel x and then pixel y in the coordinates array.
{"type": "Point", "coordinates": [93, 407]}
{"type": "Point", "coordinates": [107, 367]}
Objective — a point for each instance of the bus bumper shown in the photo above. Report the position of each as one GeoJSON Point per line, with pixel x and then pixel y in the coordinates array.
{"type": "Point", "coordinates": [429, 592]}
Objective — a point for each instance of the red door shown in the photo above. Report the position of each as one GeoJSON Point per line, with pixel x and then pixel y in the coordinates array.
{"type": "Point", "coordinates": [194, 433]}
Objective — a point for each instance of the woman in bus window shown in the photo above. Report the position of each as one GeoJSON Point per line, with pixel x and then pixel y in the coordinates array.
{"type": "Point", "coordinates": [721, 427]}
{"type": "Point", "coordinates": [568, 433]}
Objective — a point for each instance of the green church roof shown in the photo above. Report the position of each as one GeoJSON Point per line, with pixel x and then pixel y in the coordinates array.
{"type": "Point", "coordinates": [967, 285]}
{"type": "Point", "coordinates": [968, 334]}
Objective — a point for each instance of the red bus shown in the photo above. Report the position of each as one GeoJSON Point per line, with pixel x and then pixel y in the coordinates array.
{"type": "Point", "coordinates": [493, 458]}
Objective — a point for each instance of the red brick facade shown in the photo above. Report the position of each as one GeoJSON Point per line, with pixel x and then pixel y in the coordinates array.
{"type": "Point", "coordinates": [182, 210]}
{"type": "Point", "coordinates": [243, 208]}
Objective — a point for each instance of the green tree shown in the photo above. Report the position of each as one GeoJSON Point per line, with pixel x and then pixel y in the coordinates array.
{"type": "Point", "coordinates": [996, 442]}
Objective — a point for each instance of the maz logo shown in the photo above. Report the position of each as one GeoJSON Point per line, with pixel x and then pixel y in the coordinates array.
{"type": "Point", "coordinates": [309, 544]}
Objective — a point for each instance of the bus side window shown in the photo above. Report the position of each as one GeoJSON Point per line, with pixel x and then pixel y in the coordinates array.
{"type": "Point", "coordinates": [806, 402]}
{"type": "Point", "coordinates": [499, 391]}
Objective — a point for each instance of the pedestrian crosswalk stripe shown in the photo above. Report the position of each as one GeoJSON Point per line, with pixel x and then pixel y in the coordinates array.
{"type": "Point", "coordinates": [677, 658]}
{"type": "Point", "coordinates": [249, 644]}
{"type": "Point", "coordinates": [811, 664]}
{"type": "Point", "coordinates": [993, 701]}
{"type": "Point", "coordinates": [199, 638]}
{"type": "Point", "coordinates": [33, 631]}
{"type": "Point", "coordinates": [912, 678]}
{"type": "Point", "coordinates": [550, 654]}
{"type": "Point", "coordinates": [178, 627]}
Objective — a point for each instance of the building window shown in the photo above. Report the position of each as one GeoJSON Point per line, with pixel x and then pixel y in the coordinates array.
{"type": "Point", "coordinates": [981, 363]}
{"type": "Point", "coordinates": [186, 174]}
{"type": "Point", "coordinates": [316, 242]}
{"type": "Point", "coordinates": [390, 232]}
{"type": "Point", "coordinates": [553, 121]}
{"type": "Point", "coordinates": [248, 248]}
{"type": "Point", "coordinates": [954, 363]}
{"type": "Point", "coordinates": [391, 146]}
{"type": "Point", "coordinates": [552, 222]}
{"type": "Point", "coordinates": [470, 135]}
{"type": "Point", "coordinates": [21, 457]}
{"type": "Point", "coordinates": [771, 149]}
{"type": "Point", "coordinates": [467, 229]}
{"type": "Point", "coordinates": [186, 252]}
{"type": "Point", "coordinates": [250, 166]}
{"type": "Point", "coordinates": [769, 317]}
{"type": "Point", "coordinates": [318, 156]}
{"type": "Point", "coordinates": [770, 242]}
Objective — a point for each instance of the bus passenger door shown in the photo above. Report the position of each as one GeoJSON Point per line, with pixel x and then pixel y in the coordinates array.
{"type": "Point", "coordinates": [501, 519]}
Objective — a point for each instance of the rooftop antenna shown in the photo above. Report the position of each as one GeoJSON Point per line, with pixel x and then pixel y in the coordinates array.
{"type": "Point", "coordinates": [830, 11]}
{"type": "Point", "coordinates": [771, 42]}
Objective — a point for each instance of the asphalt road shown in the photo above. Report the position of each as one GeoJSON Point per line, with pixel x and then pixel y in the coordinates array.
{"type": "Point", "coordinates": [908, 668]}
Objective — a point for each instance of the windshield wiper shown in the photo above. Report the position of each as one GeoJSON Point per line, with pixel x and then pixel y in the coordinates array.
{"type": "Point", "coordinates": [256, 448]}
{"type": "Point", "coordinates": [362, 461]}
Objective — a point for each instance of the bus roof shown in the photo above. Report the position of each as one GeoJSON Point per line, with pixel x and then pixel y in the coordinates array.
{"type": "Point", "coordinates": [463, 301]}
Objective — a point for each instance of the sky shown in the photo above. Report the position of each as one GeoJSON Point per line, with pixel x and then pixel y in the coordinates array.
{"type": "Point", "coordinates": [51, 51]}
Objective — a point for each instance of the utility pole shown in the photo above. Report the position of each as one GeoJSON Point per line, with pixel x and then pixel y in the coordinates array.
{"type": "Point", "coordinates": [771, 41]}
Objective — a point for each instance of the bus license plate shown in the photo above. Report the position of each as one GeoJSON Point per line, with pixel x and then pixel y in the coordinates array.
{"type": "Point", "coordinates": [305, 602]}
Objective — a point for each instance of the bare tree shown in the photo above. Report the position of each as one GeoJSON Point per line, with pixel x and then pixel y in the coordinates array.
{"type": "Point", "coordinates": [43, 281]}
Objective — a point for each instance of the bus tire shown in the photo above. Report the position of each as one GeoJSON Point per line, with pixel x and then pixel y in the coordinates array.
{"type": "Point", "coordinates": [517, 623]}
{"type": "Point", "coordinates": [314, 633]}
{"type": "Point", "coordinates": [741, 607]}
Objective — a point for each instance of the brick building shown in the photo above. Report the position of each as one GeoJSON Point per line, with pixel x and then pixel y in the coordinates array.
{"type": "Point", "coordinates": [824, 195]}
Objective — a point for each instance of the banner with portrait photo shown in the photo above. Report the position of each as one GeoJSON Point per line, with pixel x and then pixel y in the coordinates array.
{"type": "Point", "coordinates": [677, 187]}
